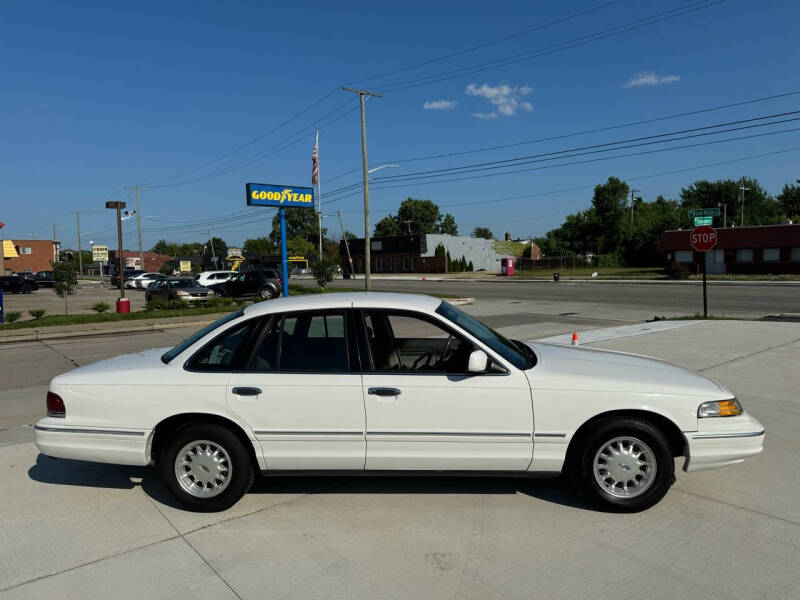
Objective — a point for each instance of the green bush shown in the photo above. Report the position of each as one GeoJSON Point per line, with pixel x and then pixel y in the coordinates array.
{"type": "Point", "coordinates": [100, 307]}
{"type": "Point", "coordinates": [13, 316]}
{"type": "Point", "coordinates": [37, 313]}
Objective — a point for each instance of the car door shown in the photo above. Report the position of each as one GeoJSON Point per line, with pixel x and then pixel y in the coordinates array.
{"type": "Point", "coordinates": [301, 393]}
{"type": "Point", "coordinates": [426, 412]}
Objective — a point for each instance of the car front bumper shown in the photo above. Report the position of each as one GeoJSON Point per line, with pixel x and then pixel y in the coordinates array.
{"type": "Point", "coordinates": [115, 446]}
{"type": "Point", "coordinates": [722, 441]}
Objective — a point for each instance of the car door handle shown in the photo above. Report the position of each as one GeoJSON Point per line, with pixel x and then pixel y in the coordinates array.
{"type": "Point", "coordinates": [246, 391]}
{"type": "Point", "coordinates": [383, 391]}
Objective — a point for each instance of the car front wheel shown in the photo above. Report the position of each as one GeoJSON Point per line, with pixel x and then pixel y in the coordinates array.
{"type": "Point", "coordinates": [206, 468]}
{"type": "Point", "coordinates": [624, 465]}
{"type": "Point", "coordinates": [26, 289]}
{"type": "Point", "coordinates": [266, 293]}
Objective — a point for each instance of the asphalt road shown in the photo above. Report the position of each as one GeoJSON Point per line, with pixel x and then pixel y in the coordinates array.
{"type": "Point", "coordinates": [71, 529]}
{"type": "Point", "coordinates": [630, 301]}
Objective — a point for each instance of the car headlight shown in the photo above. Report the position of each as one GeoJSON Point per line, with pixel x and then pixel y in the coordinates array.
{"type": "Point", "coordinates": [182, 293]}
{"type": "Point", "coordinates": [720, 408]}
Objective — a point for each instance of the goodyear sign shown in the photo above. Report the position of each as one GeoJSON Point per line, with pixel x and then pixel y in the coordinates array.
{"type": "Point", "coordinates": [263, 194]}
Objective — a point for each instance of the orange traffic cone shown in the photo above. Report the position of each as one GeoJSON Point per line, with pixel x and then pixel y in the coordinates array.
{"type": "Point", "coordinates": [574, 338]}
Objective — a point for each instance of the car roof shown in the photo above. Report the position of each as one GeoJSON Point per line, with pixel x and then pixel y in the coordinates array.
{"type": "Point", "coordinates": [212, 272]}
{"type": "Point", "coordinates": [345, 300]}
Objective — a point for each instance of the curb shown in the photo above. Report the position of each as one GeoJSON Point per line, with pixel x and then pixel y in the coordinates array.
{"type": "Point", "coordinates": [459, 301]}
{"type": "Point", "coordinates": [151, 328]}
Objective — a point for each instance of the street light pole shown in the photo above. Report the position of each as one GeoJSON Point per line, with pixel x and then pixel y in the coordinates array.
{"type": "Point", "coordinates": [742, 190]}
{"type": "Point", "coordinates": [137, 188]}
{"type": "Point", "coordinates": [367, 257]}
{"type": "Point", "coordinates": [119, 206]}
{"type": "Point", "coordinates": [80, 258]}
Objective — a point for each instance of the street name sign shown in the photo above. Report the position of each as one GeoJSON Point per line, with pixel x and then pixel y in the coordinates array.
{"type": "Point", "coordinates": [100, 253]}
{"type": "Point", "coordinates": [703, 221]}
{"type": "Point", "coordinates": [703, 238]}
{"type": "Point", "coordinates": [704, 212]}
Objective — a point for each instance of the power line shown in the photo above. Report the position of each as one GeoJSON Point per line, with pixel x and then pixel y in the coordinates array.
{"type": "Point", "coordinates": [486, 44]}
{"type": "Point", "coordinates": [552, 48]}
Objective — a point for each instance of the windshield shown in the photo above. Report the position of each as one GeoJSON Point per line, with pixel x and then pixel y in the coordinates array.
{"type": "Point", "coordinates": [170, 354]}
{"type": "Point", "coordinates": [513, 353]}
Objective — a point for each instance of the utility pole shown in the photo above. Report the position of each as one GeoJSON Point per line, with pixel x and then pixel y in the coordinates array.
{"type": "Point", "coordinates": [742, 190]}
{"type": "Point", "coordinates": [55, 247]}
{"type": "Point", "coordinates": [632, 192]}
{"type": "Point", "coordinates": [119, 206]}
{"type": "Point", "coordinates": [346, 245]}
{"type": "Point", "coordinates": [213, 256]}
{"type": "Point", "coordinates": [137, 189]}
{"type": "Point", "coordinates": [80, 258]}
{"type": "Point", "coordinates": [367, 242]}
{"type": "Point", "coordinates": [319, 191]}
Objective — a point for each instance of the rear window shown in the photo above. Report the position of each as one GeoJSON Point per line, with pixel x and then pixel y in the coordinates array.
{"type": "Point", "coordinates": [167, 357]}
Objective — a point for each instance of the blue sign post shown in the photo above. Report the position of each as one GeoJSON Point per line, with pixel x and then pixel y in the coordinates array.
{"type": "Point", "coordinates": [282, 196]}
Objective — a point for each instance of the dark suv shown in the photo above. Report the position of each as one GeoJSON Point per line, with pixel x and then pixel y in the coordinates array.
{"type": "Point", "coordinates": [264, 283]}
{"type": "Point", "coordinates": [17, 284]}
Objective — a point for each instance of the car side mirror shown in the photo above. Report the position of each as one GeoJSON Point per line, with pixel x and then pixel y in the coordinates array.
{"type": "Point", "coordinates": [477, 362]}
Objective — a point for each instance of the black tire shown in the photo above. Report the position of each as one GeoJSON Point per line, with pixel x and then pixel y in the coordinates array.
{"type": "Point", "coordinates": [659, 455]}
{"type": "Point", "coordinates": [26, 289]}
{"type": "Point", "coordinates": [239, 464]}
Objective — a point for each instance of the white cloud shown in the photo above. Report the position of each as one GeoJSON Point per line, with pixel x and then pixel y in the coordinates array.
{"type": "Point", "coordinates": [506, 99]}
{"type": "Point", "coordinates": [439, 105]}
{"type": "Point", "coordinates": [650, 78]}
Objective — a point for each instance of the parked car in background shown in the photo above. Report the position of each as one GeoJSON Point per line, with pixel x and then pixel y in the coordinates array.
{"type": "Point", "coordinates": [142, 280]}
{"type": "Point", "coordinates": [177, 288]}
{"type": "Point", "coordinates": [212, 277]}
{"type": "Point", "coordinates": [263, 283]}
{"type": "Point", "coordinates": [376, 382]}
{"type": "Point", "coordinates": [129, 273]}
{"type": "Point", "coordinates": [42, 278]}
{"type": "Point", "coordinates": [17, 284]}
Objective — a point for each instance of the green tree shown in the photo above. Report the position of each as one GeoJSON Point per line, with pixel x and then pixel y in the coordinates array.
{"type": "Point", "coordinates": [483, 232]}
{"type": "Point", "coordinates": [789, 199]}
{"type": "Point", "coordinates": [261, 246]}
{"type": "Point", "coordinates": [470, 267]}
{"type": "Point", "coordinates": [220, 250]}
{"type": "Point", "coordinates": [164, 247]}
{"type": "Point", "coordinates": [759, 207]}
{"type": "Point", "coordinates": [300, 222]}
{"type": "Point", "coordinates": [439, 251]}
{"type": "Point", "coordinates": [323, 271]}
{"type": "Point", "coordinates": [65, 281]}
{"type": "Point", "coordinates": [604, 223]}
{"type": "Point", "coordinates": [387, 227]}
{"type": "Point", "coordinates": [448, 225]}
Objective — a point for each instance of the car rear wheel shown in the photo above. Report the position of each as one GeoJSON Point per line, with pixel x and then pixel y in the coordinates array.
{"type": "Point", "coordinates": [206, 468]}
{"type": "Point", "coordinates": [624, 465]}
{"type": "Point", "coordinates": [26, 289]}
{"type": "Point", "coordinates": [266, 293]}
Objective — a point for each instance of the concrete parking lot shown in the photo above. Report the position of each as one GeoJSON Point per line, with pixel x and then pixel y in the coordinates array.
{"type": "Point", "coordinates": [86, 294]}
{"type": "Point", "coordinates": [71, 529]}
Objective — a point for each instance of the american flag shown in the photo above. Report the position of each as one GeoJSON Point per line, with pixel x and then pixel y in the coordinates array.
{"type": "Point", "coordinates": [315, 161]}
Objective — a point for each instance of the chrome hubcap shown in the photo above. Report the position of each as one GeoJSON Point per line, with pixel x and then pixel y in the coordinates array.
{"type": "Point", "coordinates": [625, 467]}
{"type": "Point", "coordinates": [203, 468]}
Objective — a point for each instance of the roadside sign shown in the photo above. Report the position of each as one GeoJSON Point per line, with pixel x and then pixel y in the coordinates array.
{"type": "Point", "coordinates": [704, 212]}
{"type": "Point", "coordinates": [703, 238]}
{"type": "Point", "coordinates": [100, 253]}
{"type": "Point", "coordinates": [186, 266]}
{"type": "Point", "coordinates": [703, 221]}
{"type": "Point", "coordinates": [263, 194]}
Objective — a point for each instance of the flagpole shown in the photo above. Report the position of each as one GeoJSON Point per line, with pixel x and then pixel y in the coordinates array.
{"type": "Point", "coordinates": [319, 199]}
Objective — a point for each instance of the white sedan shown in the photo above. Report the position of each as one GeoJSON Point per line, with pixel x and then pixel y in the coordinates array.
{"type": "Point", "coordinates": [386, 383]}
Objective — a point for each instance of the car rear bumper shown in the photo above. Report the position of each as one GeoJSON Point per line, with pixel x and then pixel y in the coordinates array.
{"type": "Point", "coordinates": [723, 441]}
{"type": "Point", "coordinates": [115, 446]}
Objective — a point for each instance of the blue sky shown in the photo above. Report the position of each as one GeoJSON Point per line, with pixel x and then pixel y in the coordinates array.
{"type": "Point", "coordinates": [96, 96]}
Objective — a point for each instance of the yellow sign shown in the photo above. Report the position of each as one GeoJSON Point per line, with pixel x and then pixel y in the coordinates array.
{"type": "Point", "coordinates": [186, 266]}
{"type": "Point", "coordinates": [100, 253]}
{"type": "Point", "coordinates": [8, 249]}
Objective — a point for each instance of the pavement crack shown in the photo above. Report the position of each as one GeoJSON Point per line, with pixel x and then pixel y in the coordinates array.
{"type": "Point", "coordinates": [727, 362]}
{"type": "Point", "coordinates": [61, 354]}
{"type": "Point", "coordinates": [195, 550]}
{"type": "Point", "coordinates": [750, 510]}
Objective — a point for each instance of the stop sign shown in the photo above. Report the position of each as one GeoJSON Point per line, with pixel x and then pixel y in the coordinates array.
{"type": "Point", "coordinates": [703, 238]}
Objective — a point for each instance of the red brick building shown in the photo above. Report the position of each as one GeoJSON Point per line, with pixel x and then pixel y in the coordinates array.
{"type": "Point", "coordinates": [31, 255]}
{"type": "Point", "coordinates": [766, 249]}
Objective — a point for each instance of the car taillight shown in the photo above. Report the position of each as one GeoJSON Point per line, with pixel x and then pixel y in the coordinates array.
{"type": "Point", "coordinates": [55, 406]}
